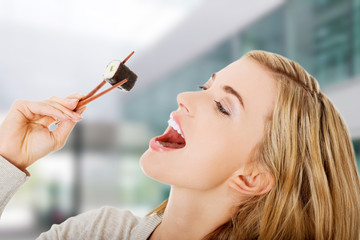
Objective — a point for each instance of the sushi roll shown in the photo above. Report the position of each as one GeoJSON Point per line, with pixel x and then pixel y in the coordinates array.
{"type": "Point", "coordinates": [117, 71]}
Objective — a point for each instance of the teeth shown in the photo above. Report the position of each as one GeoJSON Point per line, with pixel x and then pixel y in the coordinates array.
{"type": "Point", "coordinates": [175, 126]}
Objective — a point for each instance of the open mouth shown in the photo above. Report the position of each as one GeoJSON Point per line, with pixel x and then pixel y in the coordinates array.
{"type": "Point", "coordinates": [172, 139]}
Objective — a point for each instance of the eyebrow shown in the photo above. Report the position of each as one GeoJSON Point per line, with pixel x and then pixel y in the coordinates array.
{"type": "Point", "coordinates": [230, 90]}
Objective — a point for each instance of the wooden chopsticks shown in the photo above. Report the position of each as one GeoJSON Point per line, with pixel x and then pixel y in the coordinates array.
{"type": "Point", "coordinates": [91, 97]}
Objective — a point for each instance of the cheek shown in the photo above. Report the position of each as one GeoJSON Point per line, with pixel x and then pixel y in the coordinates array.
{"type": "Point", "coordinates": [213, 161]}
{"type": "Point", "coordinates": [193, 168]}
{"type": "Point", "coordinates": [206, 161]}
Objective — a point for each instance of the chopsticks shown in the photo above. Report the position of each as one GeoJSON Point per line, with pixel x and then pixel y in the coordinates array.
{"type": "Point", "coordinates": [91, 97]}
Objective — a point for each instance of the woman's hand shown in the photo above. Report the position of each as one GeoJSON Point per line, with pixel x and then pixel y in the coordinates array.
{"type": "Point", "coordinates": [24, 133]}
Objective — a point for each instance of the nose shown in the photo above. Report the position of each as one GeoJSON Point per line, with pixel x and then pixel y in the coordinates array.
{"type": "Point", "coordinates": [183, 100]}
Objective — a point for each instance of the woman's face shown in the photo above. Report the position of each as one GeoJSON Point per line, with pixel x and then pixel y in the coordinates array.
{"type": "Point", "coordinates": [221, 126]}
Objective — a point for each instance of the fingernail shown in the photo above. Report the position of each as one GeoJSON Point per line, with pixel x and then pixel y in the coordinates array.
{"type": "Point", "coordinates": [72, 100]}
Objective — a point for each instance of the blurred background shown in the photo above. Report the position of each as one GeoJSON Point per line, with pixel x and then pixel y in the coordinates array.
{"type": "Point", "coordinates": [55, 48]}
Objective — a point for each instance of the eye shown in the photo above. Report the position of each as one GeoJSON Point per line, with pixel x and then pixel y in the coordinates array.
{"type": "Point", "coordinates": [219, 106]}
{"type": "Point", "coordinates": [221, 109]}
{"type": "Point", "coordinates": [202, 87]}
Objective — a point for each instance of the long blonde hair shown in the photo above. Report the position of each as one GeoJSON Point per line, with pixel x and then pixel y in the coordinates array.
{"type": "Point", "coordinates": [307, 149]}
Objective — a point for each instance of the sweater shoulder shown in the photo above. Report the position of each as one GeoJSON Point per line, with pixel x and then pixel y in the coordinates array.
{"type": "Point", "coordinates": [103, 223]}
{"type": "Point", "coordinates": [115, 217]}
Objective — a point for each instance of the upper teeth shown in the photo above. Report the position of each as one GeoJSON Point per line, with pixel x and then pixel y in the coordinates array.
{"type": "Point", "coordinates": [175, 126]}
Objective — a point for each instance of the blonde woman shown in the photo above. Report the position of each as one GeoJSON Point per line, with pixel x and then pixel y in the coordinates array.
{"type": "Point", "coordinates": [260, 153]}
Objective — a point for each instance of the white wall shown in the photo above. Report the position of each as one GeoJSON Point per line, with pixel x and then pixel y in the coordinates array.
{"type": "Point", "coordinates": [346, 98]}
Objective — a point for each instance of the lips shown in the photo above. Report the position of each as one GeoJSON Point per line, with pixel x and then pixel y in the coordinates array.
{"type": "Point", "coordinates": [172, 139]}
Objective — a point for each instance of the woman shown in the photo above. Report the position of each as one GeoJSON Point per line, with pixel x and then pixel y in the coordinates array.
{"type": "Point", "coordinates": [260, 153]}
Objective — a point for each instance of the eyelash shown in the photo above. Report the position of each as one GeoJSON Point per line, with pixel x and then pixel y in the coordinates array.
{"type": "Point", "coordinates": [219, 106]}
{"type": "Point", "coordinates": [202, 87]}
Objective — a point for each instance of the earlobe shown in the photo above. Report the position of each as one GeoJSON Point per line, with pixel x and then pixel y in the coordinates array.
{"type": "Point", "coordinates": [253, 184]}
{"type": "Point", "coordinates": [267, 184]}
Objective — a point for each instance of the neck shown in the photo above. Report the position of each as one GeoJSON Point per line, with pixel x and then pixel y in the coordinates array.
{"type": "Point", "coordinates": [194, 214]}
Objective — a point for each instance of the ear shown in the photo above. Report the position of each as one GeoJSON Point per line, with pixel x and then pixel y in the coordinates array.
{"type": "Point", "coordinates": [253, 183]}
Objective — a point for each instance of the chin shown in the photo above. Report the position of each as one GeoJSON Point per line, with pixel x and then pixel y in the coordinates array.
{"type": "Point", "coordinates": [158, 167]}
{"type": "Point", "coordinates": [149, 166]}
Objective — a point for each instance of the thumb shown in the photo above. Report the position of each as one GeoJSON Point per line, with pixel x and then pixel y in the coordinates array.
{"type": "Point", "coordinates": [64, 129]}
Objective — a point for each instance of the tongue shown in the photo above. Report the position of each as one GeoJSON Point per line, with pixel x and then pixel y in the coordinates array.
{"type": "Point", "coordinates": [171, 139]}
{"type": "Point", "coordinates": [171, 145]}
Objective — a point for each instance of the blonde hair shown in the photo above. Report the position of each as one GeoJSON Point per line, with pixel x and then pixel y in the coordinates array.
{"type": "Point", "coordinates": [307, 149]}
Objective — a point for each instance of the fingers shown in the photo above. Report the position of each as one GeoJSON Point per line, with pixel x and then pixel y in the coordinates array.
{"type": "Point", "coordinates": [66, 106]}
{"type": "Point", "coordinates": [23, 132]}
{"type": "Point", "coordinates": [64, 127]}
{"type": "Point", "coordinates": [70, 101]}
{"type": "Point", "coordinates": [47, 121]}
{"type": "Point", "coordinates": [63, 130]}
{"type": "Point", "coordinates": [33, 111]}
{"type": "Point", "coordinates": [48, 110]}
{"type": "Point", "coordinates": [76, 95]}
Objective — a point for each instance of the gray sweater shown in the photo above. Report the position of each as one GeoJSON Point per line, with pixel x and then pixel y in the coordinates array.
{"type": "Point", "coordinates": [104, 223]}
